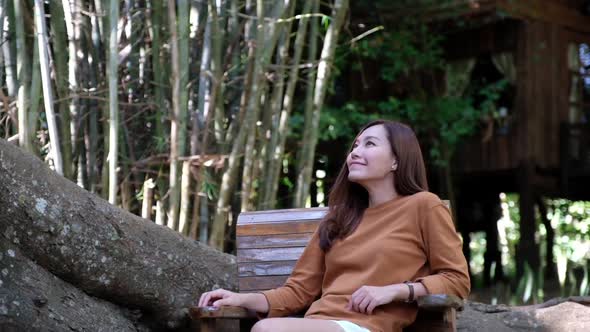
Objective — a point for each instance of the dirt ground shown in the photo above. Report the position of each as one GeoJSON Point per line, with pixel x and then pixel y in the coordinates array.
{"type": "Point", "coordinates": [562, 317]}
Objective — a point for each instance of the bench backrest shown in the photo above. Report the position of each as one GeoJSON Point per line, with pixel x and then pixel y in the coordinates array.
{"type": "Point", "coordinates": [269, 243]}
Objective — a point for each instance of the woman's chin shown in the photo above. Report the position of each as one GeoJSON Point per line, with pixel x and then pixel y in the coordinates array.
{"type": "Point", "coordinates": [355, 178]}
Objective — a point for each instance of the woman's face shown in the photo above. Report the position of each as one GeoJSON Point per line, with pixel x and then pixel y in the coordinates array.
{"type": "Point", "coordinates": [371, 158]}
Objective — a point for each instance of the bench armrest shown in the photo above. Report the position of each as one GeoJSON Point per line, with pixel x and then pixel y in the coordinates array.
{"type": "Point", "coordinates": [221, 312]}
{"type": "Point", "coordinates": [439, 302]}
{"type": "Point", "coordinates": [432, 302]}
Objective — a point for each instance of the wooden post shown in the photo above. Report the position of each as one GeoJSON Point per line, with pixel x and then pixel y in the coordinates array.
{"type": "Point", "coordinates": [208, 324]}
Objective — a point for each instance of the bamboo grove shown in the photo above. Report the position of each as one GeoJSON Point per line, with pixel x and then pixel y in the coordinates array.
{"type": "Point", "coordinates": [178, 111]}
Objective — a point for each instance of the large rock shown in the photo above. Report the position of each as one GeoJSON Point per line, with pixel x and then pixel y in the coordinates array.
{"type": "Point", "coordinates": [569, 314]}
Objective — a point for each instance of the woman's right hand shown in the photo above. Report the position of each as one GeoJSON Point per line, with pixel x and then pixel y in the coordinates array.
{"type": "Point", "coordinates": [220, 297]}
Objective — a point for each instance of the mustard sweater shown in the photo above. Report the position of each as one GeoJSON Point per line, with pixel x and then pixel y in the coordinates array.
{"type": "Point", "coordinates": [407, 238]}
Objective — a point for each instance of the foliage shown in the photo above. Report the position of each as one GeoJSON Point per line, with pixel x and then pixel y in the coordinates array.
{"type": "Point", "coordinates": [409, 54]}
{"type": "Point", "coordinates": [571, 222]}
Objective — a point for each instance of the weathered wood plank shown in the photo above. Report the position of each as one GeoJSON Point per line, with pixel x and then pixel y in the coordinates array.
{"type": "Point", "coordinates": [281, 215]}
{"type": "Point", "coordinates": [277, 228]}
{"type": "Point", "coordinates": [266, 268]}
{"type": "Point", "coordinates": [273, 241]}
{"type": "Point", "coordinates": [270, 254]}
{"type": "Point", "coordinates": [439, 302]}
{"type": "Point", "coordinates": [255, 283]}
{"type": "Point", "coordinates": [221, 312]}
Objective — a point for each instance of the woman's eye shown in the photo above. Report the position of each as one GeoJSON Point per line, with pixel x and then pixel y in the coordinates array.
{"type": "Point", "coordinates": [370, 143]}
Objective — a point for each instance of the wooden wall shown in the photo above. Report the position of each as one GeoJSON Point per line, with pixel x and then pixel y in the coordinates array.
{"type": "Point", "coordinates": [539, 108]}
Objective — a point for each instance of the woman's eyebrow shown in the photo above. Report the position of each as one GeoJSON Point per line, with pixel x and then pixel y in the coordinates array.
{"type": "Point", "coordinates": [371, 137]}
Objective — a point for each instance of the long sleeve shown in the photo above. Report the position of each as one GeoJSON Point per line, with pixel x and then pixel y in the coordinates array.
{"type": "Point", "coordinates": [303, 286]}
{"type": "Point", "coordinates": [448, 267]}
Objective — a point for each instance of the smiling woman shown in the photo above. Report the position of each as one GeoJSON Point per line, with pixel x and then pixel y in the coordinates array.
{"type": "Point", "coordinates": [384, 242]}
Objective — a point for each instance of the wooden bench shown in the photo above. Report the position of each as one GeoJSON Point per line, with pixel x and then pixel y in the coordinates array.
{"type": "Point", "coordinates": [268, 246]}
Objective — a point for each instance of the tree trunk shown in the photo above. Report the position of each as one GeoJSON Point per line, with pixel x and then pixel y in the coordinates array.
{"type": "Point", "coordinates": [103, 250]}
{"type": "Point", "coordinates": [304, 172]}
{"type": "Point", "coordinates": [47, 92]}
{"type": "Point", "coordinates": [527, 251]}
{"type": "Point", "coordinates": [113, 65]}
{"type": "Point", "coordinates": [35, 300]}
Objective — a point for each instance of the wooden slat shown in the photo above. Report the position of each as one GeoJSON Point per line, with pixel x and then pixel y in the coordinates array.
{"type": "Point", "coordinates": [281, 215]}
{"type": "Point", "coordinates": [221, 312]}
{"type": "Point", "coordinates": [270, 254]}
{"type": "Point", "coordinates": [273, 241]}
{"type": "Point", "coordinates": [257, 283]}
{"type": "Point", "coordinates": [277, 228]}
{"type": "Point", "coordinates": [266, 268]}
{"type": "Point", "coordinates": [439, 302]}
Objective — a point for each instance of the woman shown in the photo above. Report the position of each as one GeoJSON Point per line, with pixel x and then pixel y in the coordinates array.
{"type": "Point", "coordinates": [384, 241]}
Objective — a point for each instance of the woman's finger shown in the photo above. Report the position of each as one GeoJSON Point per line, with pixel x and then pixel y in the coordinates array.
{"type": "Point", "coordinates": [364, 304]}
{"type": "Point", "coordinates": [357, 301]}
{"type": "Point", "coordinates": [202, 299]}
{"type": "Point", "coordinates": [371, 307]}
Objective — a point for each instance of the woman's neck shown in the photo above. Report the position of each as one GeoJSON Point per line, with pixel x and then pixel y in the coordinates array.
{"type": "Point", "coordinates": [381, 193]}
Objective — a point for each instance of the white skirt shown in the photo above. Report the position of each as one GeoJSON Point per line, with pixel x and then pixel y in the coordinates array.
{"type": "Point", "coordinates": [350, 326]}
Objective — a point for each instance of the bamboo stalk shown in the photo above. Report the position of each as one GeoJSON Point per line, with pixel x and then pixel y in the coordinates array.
{"type": "Point", "coordinates": [113, 62]}
{"type": "Point", "coordinates": [72, 19]}
{"type": "Point", "coordinates": [8, 50]}
{"type": "Point", "coordinates": [157, 70]}
{"type": "Point", "coordinates": [276, 153]}
{"type": "Point", "coordinates": [148, 199]}
{"type": "Point", "coordinates": [185, 194]}
{"type": "Point", "coordinates": [35, 96]}
{"type": "Point", "coordinates": [179, 55]}
{"type": "Point", "coordinates": [304, 172]}
{"type": "Point", "coordinates": [160, 213]}
{"type": "Point", "coordinates": [23, 70]}
{"type": "Point", "coordinates": [200, 212]}
{"type": "Point", "coordinates": [60, 61]}
{"type": "Point", "coordinates": [261, 60]}
{"type": "Point", "coordinates": [2, 17]}
{"type": "Point", "coordinates": [47, 92]}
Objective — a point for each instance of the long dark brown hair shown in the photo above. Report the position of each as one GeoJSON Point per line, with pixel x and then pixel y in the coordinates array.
{"type": "Point", "coordinates": [348, 200]}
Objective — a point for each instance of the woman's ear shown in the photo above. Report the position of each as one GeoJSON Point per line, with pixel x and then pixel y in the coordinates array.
{"type": "Point", "coordinates": [394, 165]}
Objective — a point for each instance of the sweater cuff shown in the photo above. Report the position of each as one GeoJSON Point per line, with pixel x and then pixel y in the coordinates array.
{"type": "Point", "coordinates": [432, 284]}
{"type": "Point", "coordinates": [275, 309]}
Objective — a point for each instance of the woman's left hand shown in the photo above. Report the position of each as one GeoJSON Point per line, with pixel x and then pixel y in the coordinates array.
{"type": "Point", "coordinates": [367, 298]}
